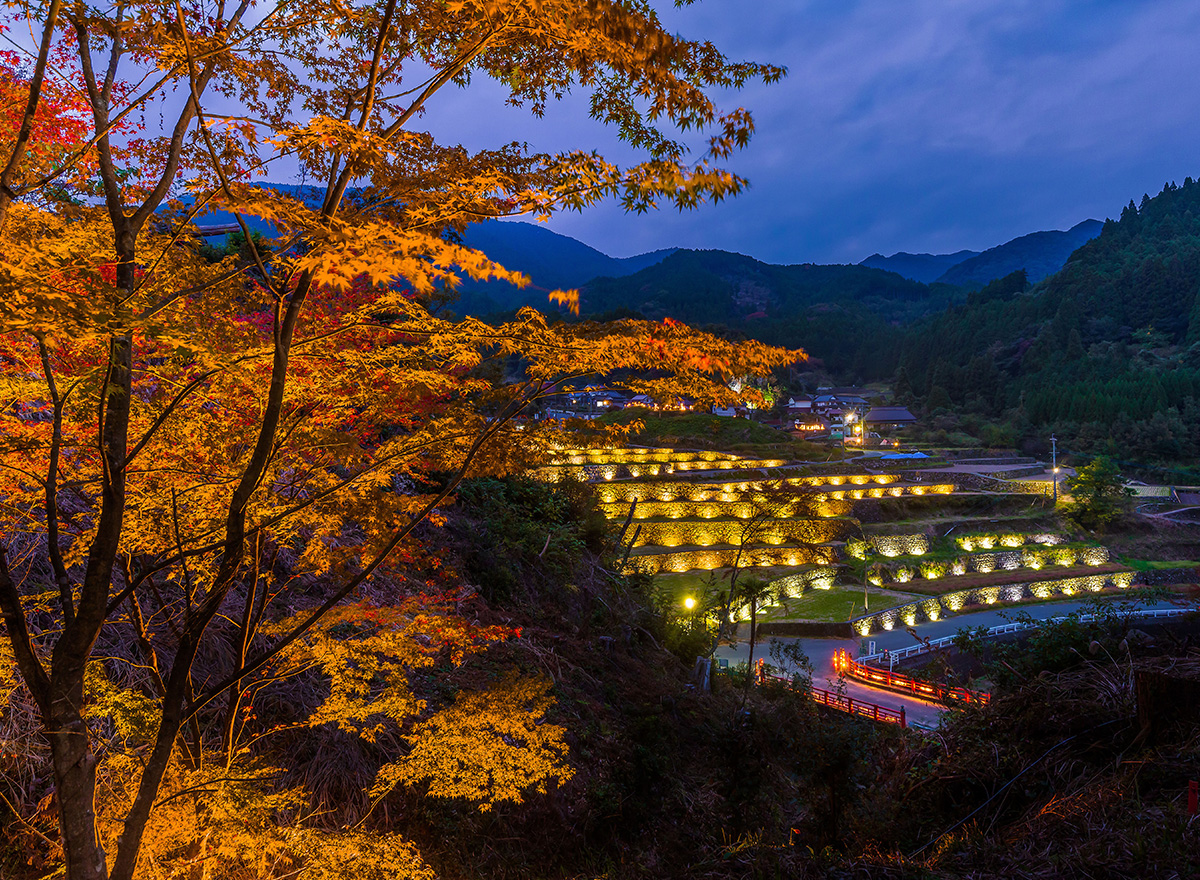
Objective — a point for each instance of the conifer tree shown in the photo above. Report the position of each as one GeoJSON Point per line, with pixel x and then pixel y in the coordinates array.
{"type": "Point", "coordinates": [1192, 336]}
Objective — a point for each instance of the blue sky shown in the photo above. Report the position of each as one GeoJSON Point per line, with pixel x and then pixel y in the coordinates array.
{"type": "Point", "coordinates": [924, 125]}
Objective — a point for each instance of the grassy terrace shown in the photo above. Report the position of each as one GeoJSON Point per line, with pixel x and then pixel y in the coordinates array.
{"type": "Point", "coordinates": [1158, 564]}
{"type": "Point", "coordinates": [893, 513]}
{"type": "Point", "coordinates": [682, 532]}
{"type": "Point", "coordinates": [956, 583]}
{"type": "Point", "coordinates": [654, 549]}
{"type": "Point", "coordinates": [664, 511]}
{"type": "Point", "coordinates": [676, 586]}
{"type": "Point", "coordinates": [759, 557]}
{"type": "Point", "coordinates": [829, 606]}
{"type": "Point", "coordinates": [835, 605]}
{"type": "Point", "coordinates": [1015, 522]}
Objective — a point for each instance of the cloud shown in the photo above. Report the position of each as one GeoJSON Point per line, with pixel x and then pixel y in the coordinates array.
{"type": "Point", "coordinates": [924, 126]}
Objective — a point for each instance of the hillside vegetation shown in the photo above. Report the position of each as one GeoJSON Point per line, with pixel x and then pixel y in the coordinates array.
{"type": "Point", "coordinates": [1106, 352]}
{"type": "Point", "coordinates": [705, 431]}
{"type": "Point", "coordinates": [842, 315]}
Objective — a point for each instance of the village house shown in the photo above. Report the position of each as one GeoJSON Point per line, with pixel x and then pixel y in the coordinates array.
{"type": "Point", "coordinates": [889, 418]}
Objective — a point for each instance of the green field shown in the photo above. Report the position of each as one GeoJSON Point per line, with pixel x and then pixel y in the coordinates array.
{"type": "Point", "coordinates": [836, 604]}
{"type": "Point", "coordinates": [699, 583]}
{"type": "Point", "coordinates": [830, 605]}
{"type": "Point", "coordinates": [1157, 565]}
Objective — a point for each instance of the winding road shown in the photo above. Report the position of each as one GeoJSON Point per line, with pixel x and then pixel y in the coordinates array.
{"type": "Point", "coordinates": [921, 713]}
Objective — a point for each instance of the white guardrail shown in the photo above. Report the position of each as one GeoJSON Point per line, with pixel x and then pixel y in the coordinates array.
{"type": "Point", "coordinates": [1004, 629]}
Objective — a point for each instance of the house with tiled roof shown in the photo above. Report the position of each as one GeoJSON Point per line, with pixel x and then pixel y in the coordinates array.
{"type": "Point", "coordinates": [889, 417]}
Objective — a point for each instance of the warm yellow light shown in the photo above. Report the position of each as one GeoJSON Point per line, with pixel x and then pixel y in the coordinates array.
{"type": "Point", "coordinates": [689, 603]}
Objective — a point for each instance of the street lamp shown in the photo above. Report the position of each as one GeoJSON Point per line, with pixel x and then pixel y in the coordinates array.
{"type": "Point", "coordinates": [690, 604]}
{"type": "Point", "coordinates": [1054, 465]}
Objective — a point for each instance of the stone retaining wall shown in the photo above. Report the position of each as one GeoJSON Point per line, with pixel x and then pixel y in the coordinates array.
{"type": "Point", "coordinates": [801, 629]}
{"type": "Point", "coordinates": [985, 483]}
{"type": "Point", "coordinates": [1017, 473]}
{"type": "Point", "coordinates": [935, 607]}
{"type": "Point", "coordinates": [707, 532]}
{"type": "Point", "coordinates": [1164, 576]}
{"type": "Point", "coordinates": [723, 557]}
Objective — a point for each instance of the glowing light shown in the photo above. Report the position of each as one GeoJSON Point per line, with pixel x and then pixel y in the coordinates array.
{"type": "Point", "coordinates": [689, 603]}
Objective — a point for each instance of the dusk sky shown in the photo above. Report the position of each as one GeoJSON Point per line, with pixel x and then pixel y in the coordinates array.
{"type": "Point", "coordinates": [924, 126]}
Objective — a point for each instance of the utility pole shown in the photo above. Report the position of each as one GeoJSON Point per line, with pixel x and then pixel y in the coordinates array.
{"type": "Point", "coordinates": [1054, 466]}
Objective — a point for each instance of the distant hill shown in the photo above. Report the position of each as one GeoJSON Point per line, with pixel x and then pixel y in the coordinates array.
{"type": "Point", "coordinates": [918, 267]}
{"type": "Point", "coordinates": [1040, 254]}
{"type": "Point", "coordinates": [549, 259]}
{"type": "Point", "coordinates": [713, 285]}
{"type": "Point", "coordinates": [848, 316]}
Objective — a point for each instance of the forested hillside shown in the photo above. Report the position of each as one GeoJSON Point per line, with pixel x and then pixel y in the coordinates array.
{"type": "Point", "coordinates": [844, 315]}
{"type": "Point", "coordinates": [849, 317]}
{"type": "Point", "coordinates": [1107, 351]}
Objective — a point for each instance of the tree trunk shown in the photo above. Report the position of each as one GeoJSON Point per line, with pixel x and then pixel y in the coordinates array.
{"type": "Point", "coordinates": [74, 788]}
{"type": "Point", "coordinates": [753, 620]}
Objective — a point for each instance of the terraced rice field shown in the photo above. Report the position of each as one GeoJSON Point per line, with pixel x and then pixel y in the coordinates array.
{"type": "Point", "coordinates": [693, 515]}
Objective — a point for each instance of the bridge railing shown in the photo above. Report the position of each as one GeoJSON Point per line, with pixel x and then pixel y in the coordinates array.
{"type": "Point", "coordinates": [898, 681]}
{"type": "Point", "coordinates": [842, 702]}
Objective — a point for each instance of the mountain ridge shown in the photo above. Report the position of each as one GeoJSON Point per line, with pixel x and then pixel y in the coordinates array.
{"type": "Point", "coordinates": [550, 259]}
{"type": "Point", "coordinates": [925, 268]}
{"type": "Point", "coordinates": [1040, 254]}
{"type": "Point", "coordinates": [556, 261]}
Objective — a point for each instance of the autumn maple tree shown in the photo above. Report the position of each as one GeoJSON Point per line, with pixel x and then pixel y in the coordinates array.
{"type": "Point", "coordinates": [240, 452]}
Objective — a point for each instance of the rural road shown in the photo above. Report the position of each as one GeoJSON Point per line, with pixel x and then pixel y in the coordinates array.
{"type": "Point", "coordinates": [921, 712]}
